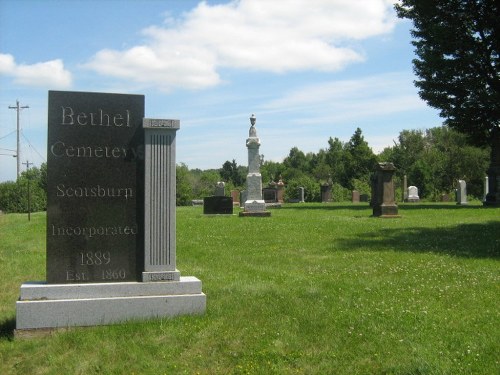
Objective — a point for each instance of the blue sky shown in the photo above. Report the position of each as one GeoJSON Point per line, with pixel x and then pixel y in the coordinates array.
{"type": "Point", "coordinates": [308, 69]}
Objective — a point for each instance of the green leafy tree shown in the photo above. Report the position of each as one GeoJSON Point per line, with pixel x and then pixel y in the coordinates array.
{"type": "Point", "coordinates": [296, 159]}
{"type": "Point", "coordinates": [184, 191]}
{"type": "Point", "coordinates": [335, 159]}
{"type": "Point", "coordinates": [231, 172]}
{"type": "Point", "coordinates": [435, 159]}
{"type": "Point", "coordinates": [271, 171]}
{"type": "Point", "coordinates": [359, 160]}
{"type": "Point", "coordinates": [310, 185]}
{"type": "Point", "coordinates": [14, 195]}
{"type": "Point", "coordinates": [457, 46]}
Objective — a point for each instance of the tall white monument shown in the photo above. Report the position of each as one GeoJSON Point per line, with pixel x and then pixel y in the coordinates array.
{"type": "Point", "coordinates": [254, 204]}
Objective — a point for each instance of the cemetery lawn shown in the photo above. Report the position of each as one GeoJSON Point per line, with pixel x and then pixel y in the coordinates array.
{"type": "Point", "coordinates": [313, 289]}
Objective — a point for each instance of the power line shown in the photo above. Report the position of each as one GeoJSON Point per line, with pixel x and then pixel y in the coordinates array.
{"type": "Point", "coordinates": [5, 136]}
{"type": "Point", "coordinates": [27, 164]}
{"type": "Point", "coordinates": [33, 147]}
{"type": "Point", "coordinates": [18, 108]}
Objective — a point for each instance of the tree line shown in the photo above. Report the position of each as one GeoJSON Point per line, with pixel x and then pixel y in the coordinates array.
{"type": "Point", "coordinates": [433, 160]}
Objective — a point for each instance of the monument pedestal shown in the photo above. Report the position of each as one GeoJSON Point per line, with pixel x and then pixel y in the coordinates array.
{"type": "Point", "coordinates": [255, 208]}
{"type": "Point", "coordinates": [42, 305]}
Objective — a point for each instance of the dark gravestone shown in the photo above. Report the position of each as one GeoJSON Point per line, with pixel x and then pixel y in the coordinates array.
{"type": "Point", "coordinates": [384, 201]}
{"type": "Point", "coordinates": [326, 193]}
{"type": "Point", "coordinates": [95, 194]}
{"type": "Point", "coordinates": [218, 205]}
{"type": "Point", "coordinates": [270, 195]}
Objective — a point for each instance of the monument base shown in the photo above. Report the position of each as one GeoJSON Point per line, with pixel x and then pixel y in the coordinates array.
{"type": "Point", "coordinates": [255, 208]}
{"type": "Point", "coordinates": [42, 305]}
{"type": "Point", "coordinates": [386, 211]}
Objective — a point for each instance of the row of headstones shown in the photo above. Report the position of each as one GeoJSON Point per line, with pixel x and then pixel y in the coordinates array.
{"type": "Point", "coordinates": [220, 204]}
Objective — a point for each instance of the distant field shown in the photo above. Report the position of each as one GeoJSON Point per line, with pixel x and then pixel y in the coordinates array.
{"type": "Point", "coordinates": [313, 289]}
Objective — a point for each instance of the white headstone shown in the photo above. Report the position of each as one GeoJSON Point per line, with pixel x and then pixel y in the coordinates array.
{"type": "Point", "coordinates": [412, 195]}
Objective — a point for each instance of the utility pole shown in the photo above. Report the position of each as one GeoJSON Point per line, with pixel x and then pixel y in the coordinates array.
{"type": "Point", "coordinates": [18, 109]}
{"type": "Point", "coordinates": [29, 195]}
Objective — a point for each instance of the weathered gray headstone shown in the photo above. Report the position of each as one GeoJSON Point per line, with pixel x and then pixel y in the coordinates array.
{"type": "Point", "coordinates": [243, 198]}
{"type": "Point", "coordinates": [220, 189]}
{"type": "Point", "coordinates": [254, 204]}
{"type": "Point", "coordinates": [462, 193]}
{"type": "Point", "coordinates": [301, 194]}
{"type": "Point", "coordinates": [384, 204]}
{"type": "Point", "coordinates": [355, 196]}
{"type": "Point", "coordinates": [326, 193]}
{"type": "Point", "coordinates": [405, 188]}
{"type": "Point", "coordinates": [412, 195]}
{"type": "Point", "coordinates": [486, 188]}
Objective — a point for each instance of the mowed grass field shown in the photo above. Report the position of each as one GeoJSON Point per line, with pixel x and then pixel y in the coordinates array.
{"type": "Point", "coordinates": [313, 289]}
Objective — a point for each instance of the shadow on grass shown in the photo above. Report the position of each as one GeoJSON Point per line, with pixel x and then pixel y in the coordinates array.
{"type": "Point", "coordinates": [326, 206]}
{"type": "Point", "coordinates": [465, 240]}
{"type": "Point", "coordinates": [450, 206]}
{"type": "Point", "coordinates": [7, 328]}
{"type": "Point", "coordinates": [366, 206]}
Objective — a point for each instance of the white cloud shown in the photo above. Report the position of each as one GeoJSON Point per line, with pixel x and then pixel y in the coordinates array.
{"type": "Point", "coordinates": [263, 35]}
{"type": "Point", "coordinates": [339, 101]}
{"type": "Point", "coordinates": [43, 74]}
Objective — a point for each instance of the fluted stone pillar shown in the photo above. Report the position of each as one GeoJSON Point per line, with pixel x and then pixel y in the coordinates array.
{"type": "Point", "coordinates": [159, 202]}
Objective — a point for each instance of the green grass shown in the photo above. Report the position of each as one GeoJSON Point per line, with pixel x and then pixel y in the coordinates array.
{"type": "Point", "coordinates": [314, 289]}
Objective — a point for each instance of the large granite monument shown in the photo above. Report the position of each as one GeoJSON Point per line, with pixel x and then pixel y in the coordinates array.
{"type": "Point", "coordinates": [254, 203]}
{"type": "Point", "coordinates": [111, 239]}
{"type": "Point", "coordinates": [383, 199]}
